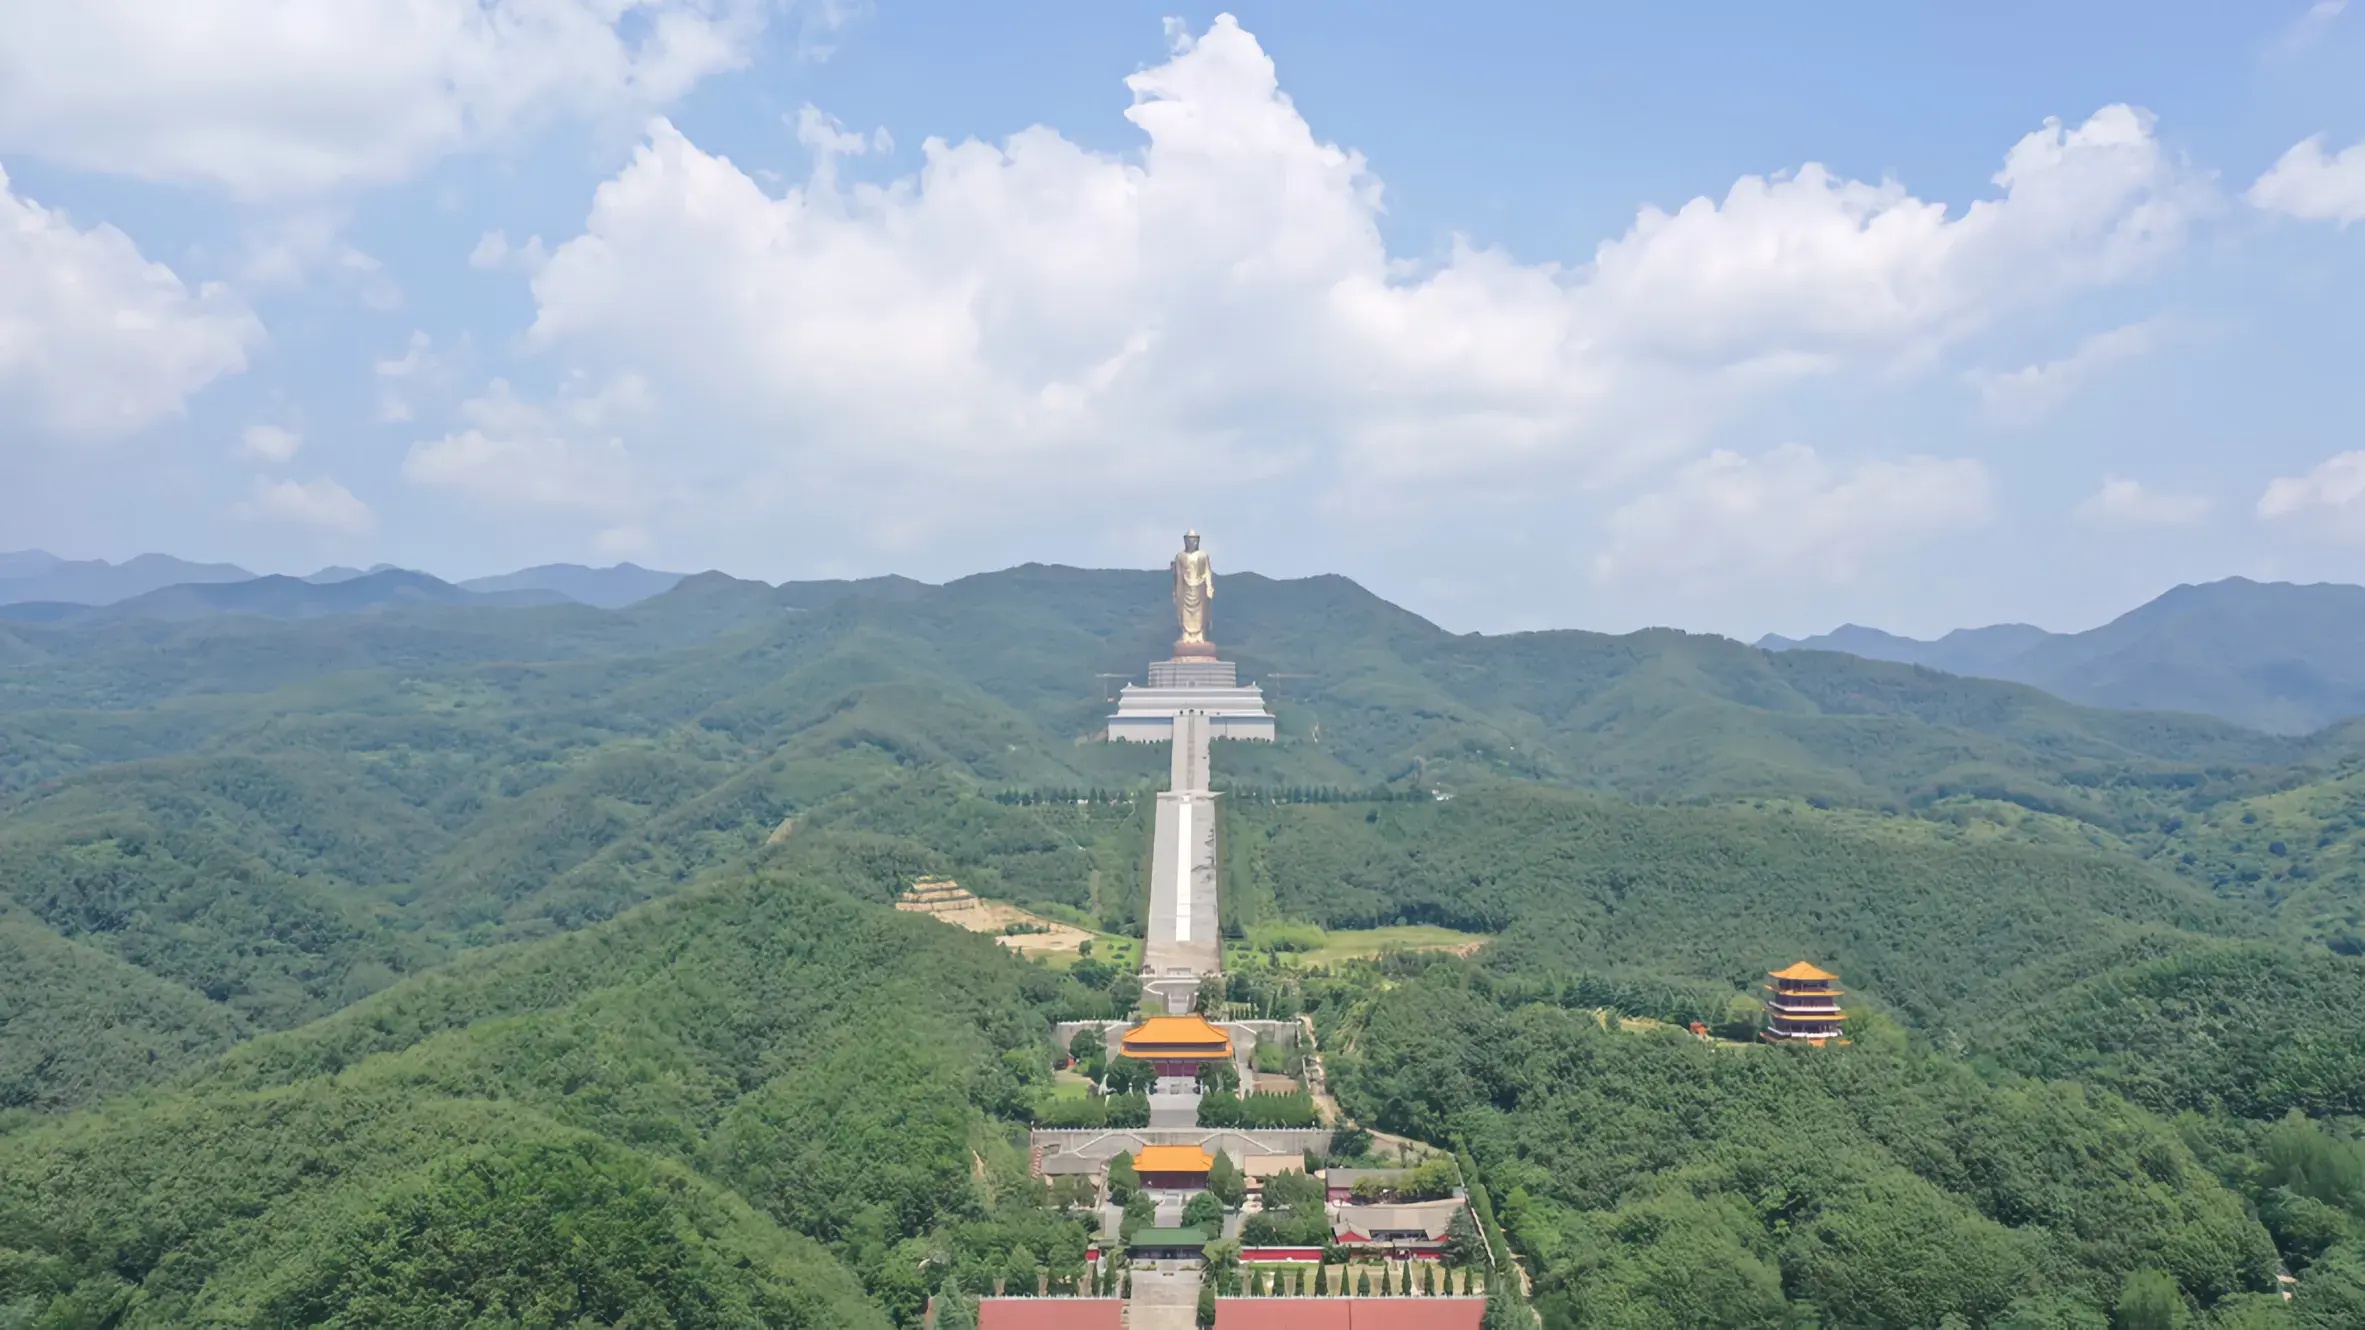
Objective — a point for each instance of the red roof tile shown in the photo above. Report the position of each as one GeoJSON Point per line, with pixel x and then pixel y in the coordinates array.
{"type": "Point", "coordinates": [1415, 1313]}
{"type": "Point", "coordinates": [1050, 1313]}
{"type": "Point", "coordinates": [1405, 1313]}
{"type": "Point", "coordinates": [1282, 1314]}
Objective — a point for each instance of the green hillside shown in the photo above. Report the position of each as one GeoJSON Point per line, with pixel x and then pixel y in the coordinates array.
{"type": "Point", "coordinates": [1659, 1181]}
{"type": "Point", "coordinates": [1916, 915]}
{"type": "Point", "coordinates": [569, 926]}
{"type": "Point", "coordinates": [279, 817]}
{"type": "Point", "coordinates": [742, 1106]}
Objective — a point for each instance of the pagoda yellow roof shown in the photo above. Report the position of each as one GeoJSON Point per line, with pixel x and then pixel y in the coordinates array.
{"type": "Point", "coordinates": [1172, 1159]}
{"type": "Point", "coordinates": [1192, 1031]}
{"type": "Point", "coordinates": [1810, 1015]}
{"type": "Point", "coordinates": [1802, 970]}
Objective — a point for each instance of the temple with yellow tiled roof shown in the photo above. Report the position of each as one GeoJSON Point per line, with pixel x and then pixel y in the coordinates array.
{"type": "Point", "coordinates": [1173, 1167]}
{"type": "Point", "coordinates": [1802, 1006]}
{"type": "Point", "coordinates": [1177, 1045]}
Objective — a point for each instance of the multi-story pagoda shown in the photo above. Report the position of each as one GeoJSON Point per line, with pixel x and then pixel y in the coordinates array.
{"type": "Point", "coordinates": [1802, 1004]}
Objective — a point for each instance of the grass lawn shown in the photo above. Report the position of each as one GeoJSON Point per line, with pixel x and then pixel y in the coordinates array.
{"type": "Point", "coordinates": [1346, 944]}
{"type": "Point", "coordinates": [1070, 1085]}
{"type": "Point", "coordinates": [1121, 952]}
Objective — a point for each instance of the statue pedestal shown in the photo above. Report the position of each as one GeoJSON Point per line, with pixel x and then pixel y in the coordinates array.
{"type": "Point", "coordinates": [1194, 673]}
{"type": "Point", "coordinates": [1191, 685]}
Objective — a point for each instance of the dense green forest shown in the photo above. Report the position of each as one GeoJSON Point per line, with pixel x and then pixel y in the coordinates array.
{"type": "Point", "coordinates": [1658, 1180]}
{"type": "Point", "coordinates": [690, 1110]}
{"type": "Point", "coordinates": [326, 939]}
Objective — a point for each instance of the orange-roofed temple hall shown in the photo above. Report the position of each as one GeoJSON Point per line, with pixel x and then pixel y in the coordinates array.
{"type": "Point", "coordinates": [1803, 1006]}
{"type": "Point", "coordinates": [1173, 1167]}
{"type": "Point", "coordinates": [1177, 1045]}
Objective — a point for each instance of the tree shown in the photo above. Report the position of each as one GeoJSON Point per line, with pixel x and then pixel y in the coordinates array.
{"type": "Point", "coordinates": [1089, 1052]}
{"type": "Point", "coordinates": [2332, 1292]}
{"type": "Point", "coordinates": [1256, 1284]}
{"type": "Point", "coordinates": [1206, 1306]}
{"type": "Point", "coordinates": [1210, 999]}
{"type": "Point", "coordinates": [1387, 1280]}
{"type": "Point", "coordinates": [2149, 1300]}
{"type": "Point", "coordinates": [1218, 1076]}
{"type": "Point", "coordinates": [1503, 1310]}
{"type": "Point", "coordinates": [1463, 1247]}
{"type": "Point", "coordinates": [1429, 1281]}
{"type": "Point", "coordinates": [1127, 1293]}
{"type": "Point", "coordinates": [1129, 1075]}
{"type": "Point", "coordinates": [1363, 1284]}
{"type": "Point", "coordinates": [1018, 1272]}
{"type": "Point", "coordinates": [1220, 1260]}
{"type": "Point", "coordinates": [1140, 1211]}
{"type": "Point", "coordinates": [955, 1310]}
{"type": "Point", "coordinates": [1288, 1191]}
{"type": "Point", "coordinates": [1225, 1182]}
{"type": "Point", "coordinates": [1202, 1209]}
{"type": "Point", "coordinates": [1124, 1181]}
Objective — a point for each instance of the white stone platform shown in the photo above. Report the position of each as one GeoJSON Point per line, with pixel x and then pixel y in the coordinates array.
{"type": "Point", "coordinates": [1209, 688]}
{"type": "Point", "coordinates": [1182, 942]}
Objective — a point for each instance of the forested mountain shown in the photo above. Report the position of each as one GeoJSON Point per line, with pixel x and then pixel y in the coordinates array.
{"type": "Point", "coordinates": [2271, 655]}
{"type": "Point", "coordinates": [462, 914]}
{"type": "Point", "coordinates": [609, 588]}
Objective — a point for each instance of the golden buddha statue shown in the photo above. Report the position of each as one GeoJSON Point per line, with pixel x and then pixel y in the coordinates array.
{"type": "Point", "coordinates": [1194, 587]}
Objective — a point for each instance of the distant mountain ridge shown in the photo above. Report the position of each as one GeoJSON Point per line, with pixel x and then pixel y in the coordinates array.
{"type": "Point", "coordinates": [61, 586]}
{"type": "Point", "coordinates": [279, 597]}
{"type": "Point", "coordinates": [2273, 656]}
{"type": "Point", "coordinates": [608, 588]}
{"type": "Point", "coordinates": [2282, 657]}
{"type": "Point", "coordinates": [38, 575]}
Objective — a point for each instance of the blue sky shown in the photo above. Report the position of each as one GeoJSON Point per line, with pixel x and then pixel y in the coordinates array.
{"type": "Point", "coordinates": [1735, 317]}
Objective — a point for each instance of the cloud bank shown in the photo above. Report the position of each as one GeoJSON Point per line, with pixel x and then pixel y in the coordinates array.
{"type": "Point", "coordinates": [1016, 328]}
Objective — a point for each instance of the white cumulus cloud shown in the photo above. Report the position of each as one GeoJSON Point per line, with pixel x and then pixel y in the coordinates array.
{"type": "Point", "coordinates": [513, 451]}
{"type": "Point", "coordinates": [2332, 496]}
{"type": "Point", "coordinates": [1788, 514]}
{"type": "Point", "coordinates": [2025, 394]}
{"type": "Point", "coordinates": [96, 340]}
{"type": "Point", "coordinates": [268, 98]}
{"type": "Point", "coordinates": [2314, 185]}
{"type": "Point", "coordinates": [2129, 503]}
{"type": "Point", "coordinates": [269, 443]}
{"type": "Point", "coordinates": [323, 505]}
{"type": "Point", "coordinates": [1020, 326]}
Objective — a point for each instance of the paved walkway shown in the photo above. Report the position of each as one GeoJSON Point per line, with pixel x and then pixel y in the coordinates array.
{"type": "Point", "coordinates": [1180, 942]}
{"type": "Point", "coordinates": [1163, 1298]}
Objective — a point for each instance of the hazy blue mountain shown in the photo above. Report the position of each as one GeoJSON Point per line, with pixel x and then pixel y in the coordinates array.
{"type": "Point", "coordinates": [1977, 651]}
{"type": "Point", "coordinates": [336, 572]}
{"type": "Point", "coordinates": [2274, 656]}
{"type": "Point", "coordinates": [609, 588]}
{"type": "Point", "coordinates": [36, 575]}
{"type": "Point", "coordinates": [281, 597]}
{"type": "Point", "coordinates": [27, 563]}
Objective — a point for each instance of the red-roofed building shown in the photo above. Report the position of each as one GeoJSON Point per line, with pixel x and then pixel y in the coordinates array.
{"type": "Point", "coordinates": [1283, 1313]}
{"type": "Point", "coordinates": [1052, 1314]}
{"type": "Point", "coordinates": [1406, 1313]}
